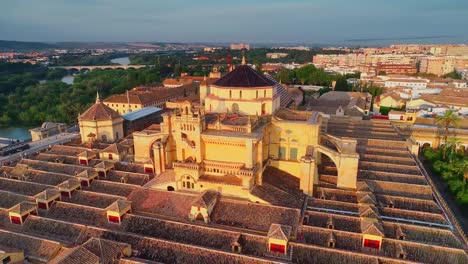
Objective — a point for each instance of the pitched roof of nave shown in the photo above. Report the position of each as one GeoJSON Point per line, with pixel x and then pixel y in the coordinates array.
{"type": "Point", "coordinates": [99, 111]}
{"type": "Point", "coordinates": [244, 76]}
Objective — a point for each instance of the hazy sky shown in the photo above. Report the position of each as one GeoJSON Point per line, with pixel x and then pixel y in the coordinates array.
{"type": "Point", "coordinates": [309, 21]}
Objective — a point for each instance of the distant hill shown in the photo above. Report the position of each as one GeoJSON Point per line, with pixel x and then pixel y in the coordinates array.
{"type": "Point", "coordinates": [7, 45]}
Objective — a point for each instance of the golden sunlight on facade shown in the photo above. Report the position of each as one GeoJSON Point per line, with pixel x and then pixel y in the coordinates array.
{"type": "Point", "coordinates": [227, 144]}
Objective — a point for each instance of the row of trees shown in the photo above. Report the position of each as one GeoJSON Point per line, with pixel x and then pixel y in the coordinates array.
{"type": "Point", "coordinates": [310, 75]}
{"type": "Point", "coordinates": [452, 169]}
{"type": "Point", "coordinates": [31, 102]}
{"type": "Point", "coordinates": [450, 160]}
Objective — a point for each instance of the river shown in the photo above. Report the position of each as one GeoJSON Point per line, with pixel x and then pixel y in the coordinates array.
{"type": "Point", "coordinates": [121, 61]}
{"type": "Point", "coordinates": [21, 133]}
{"type": "Point", "coordinates": [69, 79]}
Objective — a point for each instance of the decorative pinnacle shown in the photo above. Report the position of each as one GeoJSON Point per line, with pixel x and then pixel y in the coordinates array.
{"type": "Point", "coordinates": [98, 99]}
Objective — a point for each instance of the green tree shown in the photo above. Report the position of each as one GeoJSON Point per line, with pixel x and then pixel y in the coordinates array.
{"type": "Point", "coordinates": [453, 144]}
{"type": "Point", "coordinates": [449, 118]}
{"type": "Point", "coordinates": [342, 85]}
{"type": "Point", "coordinates": [284, 76]}
{"type": "Point", "coordinates": [453, 75]}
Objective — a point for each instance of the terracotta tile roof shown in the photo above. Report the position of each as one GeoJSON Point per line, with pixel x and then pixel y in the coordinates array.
{"type": "Point", "coordinates": [205, 198]}
{"type": "Point", "coordinates": [53, 229]}
{"type": "Point", "coordinates": [71, 183]}
{"type": "Point", "coordinates": [252, 215]}
{"type": "Point", "coordinates": [153, 95]}
{"type": "Point", "coordinates": [108, 251]}
{"type": "Point", "coordinates": [107, 165]}
{"type": "Point", "coordinates": [76, 255]}
{"type": "Point", "coordinates": [446, 100]}
{"type": "Point", "coordinates": [372, 228]}
{"type": "Point", "coordinates": [115, 148]}
{"type": "Point", "coordinates": [281, 232]}
{"type": "Point", "coordinates": [244, 76]}
{"type": "Point", "coordinates": [186, 233]}
{"type": "Point", "coordinates": [87, 153]}
{"type": "Point", "coordinates": [22, 187]}
{"type": "Point", "coordinates": [112, 188]}
{"type": "Point", "coordinates": [86, 174]}
{"type": "Point", "coordinates": [8, 199]}
{"type": "Point", "coordinates": [118, 206]}
{"type": "Point", "coordinates": [79, 214]}
{"type": "Point", "coordinates": [161, 202]}
{"type": "Point", "coordinates": [369, 212]}
{"type": "Point", "coordinates": [180, 81]}
{"type": "Point", "coordinates": [22, 207]}
{"type": "Point", "coordinates": [91, 199]}
{"type": "Point", "coordinates": [393, 95]}
{"type": "Point", "coordinates": [41, 250]}
{"type": "Point", "coordinates": [99, 111]}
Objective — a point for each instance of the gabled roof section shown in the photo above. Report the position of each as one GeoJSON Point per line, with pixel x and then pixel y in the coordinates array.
{"type": "Point", "coordinates": [87, 154]}
{"type": "Point", "coordinates": [366, 198]}
{"type": "Point", "coordinates": [106, 165]}
{"type": "Point", "coordinates": [367, 211]}
{"type": "Point", "coordinates": [69, 184]}
{"type": "Point", "coordinates": [244, 76]}
{"type": "Point", "coordinates": [76, 255]}
{"type": "Point", "coordinates": [372, 228]}
{"type": "Point", "coordinates": [115, 148]}
{"type": "Point", "coordinates": [106, 250]}
{"type": "Point", "coordinates": [47, 194]}
{"type": "Point", "coordinates": [281, 232]}
{"type": "Point", "coordinates": [119, 206]}
{"type": "Point", "coordinates": [22, 207]}
{"type": "Point", "coordinates": [87, 174]}
{"type": "Point", "coordinates": [205, 199]}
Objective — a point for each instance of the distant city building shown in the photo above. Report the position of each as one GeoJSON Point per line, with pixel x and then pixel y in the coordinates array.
{"type": "Point", "coordinates": [406, 82]}
{"type": "Point", "coordinates": [406, 69]}
{"type": "Point", "coordinates": [303, 48]}
{"type": "Point", "coordinates": [240, 46]}
{"type": "Point", "coordinates": [450, 50]}
{"type": "Point", "coordinates": [211, 49]}
{"type": "Point", "coordinates": [276, 55]}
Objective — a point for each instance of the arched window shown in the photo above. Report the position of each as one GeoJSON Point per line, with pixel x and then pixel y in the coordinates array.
{"type": "Point", "coordinates": [256, 94]}
{"type": "Point", "coordinates": [240, 94]}
{"type": "Point", "coordinates": [264, 93]}
{"type": "Point", "coordinates": [235, 107]}
{"type": "Point", "coordinates": [230, 94]}
{"type": "Point", "coordinates": [110, 156]}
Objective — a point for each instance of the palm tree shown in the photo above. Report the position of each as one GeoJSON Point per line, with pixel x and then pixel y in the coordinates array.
{"type": "Point", "coordinates": [453, 143]}
{"type": "Point", "coordinates": [445, 121]}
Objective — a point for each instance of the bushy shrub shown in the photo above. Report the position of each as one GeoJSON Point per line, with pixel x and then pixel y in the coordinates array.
{"type": "Point", "coordinates": [456, 186]}
{"type": "Point", "coordinates": [452, 173]}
